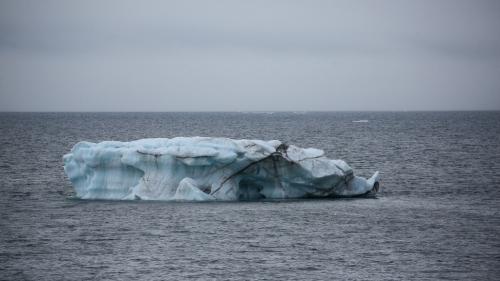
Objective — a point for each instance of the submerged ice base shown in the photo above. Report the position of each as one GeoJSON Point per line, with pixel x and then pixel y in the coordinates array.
{"type": "Point", "coordinates": [202, 169]}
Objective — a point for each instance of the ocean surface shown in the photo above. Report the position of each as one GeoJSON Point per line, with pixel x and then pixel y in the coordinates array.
{"type": "Point", "coordinates": [437, 216]}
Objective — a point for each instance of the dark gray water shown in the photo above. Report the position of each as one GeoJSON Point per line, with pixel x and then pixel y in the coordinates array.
{"type": "Point", "coordinates": [437, 217]}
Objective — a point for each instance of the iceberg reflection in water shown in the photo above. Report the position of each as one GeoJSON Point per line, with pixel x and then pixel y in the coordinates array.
{"type": "Point", "coordinates": [203, 169]}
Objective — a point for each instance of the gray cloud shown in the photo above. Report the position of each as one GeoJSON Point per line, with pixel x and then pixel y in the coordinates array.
{"type": "Point", "coordinates": [249, 55]}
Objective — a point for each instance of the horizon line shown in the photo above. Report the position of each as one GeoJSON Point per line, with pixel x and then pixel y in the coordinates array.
{"type": "Point", "coordinates": [252, 111]}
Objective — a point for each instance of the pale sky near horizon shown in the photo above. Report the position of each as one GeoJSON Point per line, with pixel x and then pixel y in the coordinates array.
{"type": "Point", "coordinates": [249, 55]}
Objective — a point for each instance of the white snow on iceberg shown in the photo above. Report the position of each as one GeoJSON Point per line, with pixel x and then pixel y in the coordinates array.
{"type": "Point", "coordinates": [203, 169]}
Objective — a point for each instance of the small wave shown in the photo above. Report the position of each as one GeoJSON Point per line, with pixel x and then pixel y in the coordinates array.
{"type": "Point", "coordinates": [360, 121]}
{"type": "Point", "coordinates": [257, 112]}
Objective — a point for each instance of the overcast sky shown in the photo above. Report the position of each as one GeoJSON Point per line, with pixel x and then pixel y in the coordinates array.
{"type": "Point", "coordinates": [249, 55]}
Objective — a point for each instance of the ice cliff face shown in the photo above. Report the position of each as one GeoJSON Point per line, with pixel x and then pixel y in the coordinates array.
{"type": "Point", "coordinates": [201, 169]}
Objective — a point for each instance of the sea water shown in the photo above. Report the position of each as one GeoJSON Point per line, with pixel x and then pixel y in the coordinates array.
{"type": "Point", "coordinates": [437, 215]}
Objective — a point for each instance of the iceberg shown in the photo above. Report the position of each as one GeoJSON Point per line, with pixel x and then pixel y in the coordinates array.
{"type": "Point", "coordinates": [205, 169]}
